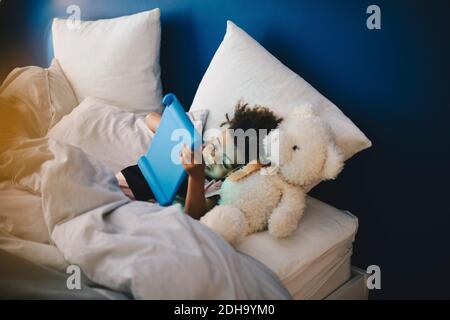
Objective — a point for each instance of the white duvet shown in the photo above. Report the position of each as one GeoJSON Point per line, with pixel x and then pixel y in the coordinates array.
{"type": "Point", "coordinates": [60, 203]}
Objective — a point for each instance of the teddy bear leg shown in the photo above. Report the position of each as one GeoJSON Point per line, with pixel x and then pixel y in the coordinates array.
{"type": "Point", "coordinates": [283, 224]}
{"type": "Point", "coordinates": [284, 219]}
{"type": "Point", "coordinates": [228, 221]}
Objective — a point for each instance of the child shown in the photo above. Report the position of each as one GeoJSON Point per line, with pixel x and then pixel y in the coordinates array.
{"type": "Point", "coordinates": [222, 155]}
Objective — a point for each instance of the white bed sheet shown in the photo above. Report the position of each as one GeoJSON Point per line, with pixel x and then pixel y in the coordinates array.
{"type": "Point", "coordinates": [23, 231]}
{"type": "Point", "coordinates": [305, 261]}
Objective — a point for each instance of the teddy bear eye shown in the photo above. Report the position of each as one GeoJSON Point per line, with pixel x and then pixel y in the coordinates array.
{"type": "Point", "coordinates": [295, 148]}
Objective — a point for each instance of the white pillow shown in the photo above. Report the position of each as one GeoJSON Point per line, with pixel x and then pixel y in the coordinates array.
{"type": "Point", "coordinates": [113, 59]}
{"type": "Point", "coordinates": [243, 69]}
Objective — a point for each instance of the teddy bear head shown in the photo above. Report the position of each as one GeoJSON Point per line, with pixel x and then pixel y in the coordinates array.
{"type": "Point", "coordinates": [303, 149]}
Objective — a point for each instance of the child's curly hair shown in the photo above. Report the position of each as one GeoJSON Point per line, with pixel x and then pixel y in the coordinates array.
{"type": "Point", "coordinates": [256, 117]}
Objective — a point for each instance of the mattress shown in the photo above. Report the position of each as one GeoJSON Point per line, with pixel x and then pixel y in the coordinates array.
{"type": "Point", "coordinates": [313, 261]}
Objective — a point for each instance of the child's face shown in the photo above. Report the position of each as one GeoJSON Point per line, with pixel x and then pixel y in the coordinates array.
{"type": "Point", "coordinates": [220, 156]}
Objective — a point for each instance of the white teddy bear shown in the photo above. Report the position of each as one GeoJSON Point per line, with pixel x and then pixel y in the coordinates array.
{"type": "Point", "coordinates": [257, 198]}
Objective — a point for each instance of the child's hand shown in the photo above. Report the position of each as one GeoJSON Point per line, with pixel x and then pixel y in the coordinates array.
{"type": "Point", "coordinates": [195, 204]}
{"type": "Point", "coordinates": [192, 162]}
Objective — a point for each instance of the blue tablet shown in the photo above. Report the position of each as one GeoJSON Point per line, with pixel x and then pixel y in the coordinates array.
{"type": "Point", "coordinates": [161, 166]}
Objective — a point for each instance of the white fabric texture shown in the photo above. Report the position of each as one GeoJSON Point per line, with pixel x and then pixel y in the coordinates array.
{"type": "Point", "coordinates": [21, 213]}
{"type": "Point", "coordinates": [242, 69]}
{"type": "Point", "coordinates": [45, 94]}
{"type": "Point", "coordinates": [113, 59]}
{"type": "Point", "coordinates": [62, 96]}
{"type": "Point", "coordinates": [137, 248]}
{"type": "Point", "coordinates": [324, 236]}
{"type": "Point", "coordinates": [43, 254]}
{"type": "Point", "coordinates": [102, 130]}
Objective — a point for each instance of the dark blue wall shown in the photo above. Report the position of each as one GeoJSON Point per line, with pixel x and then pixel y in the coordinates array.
{"type": "Point", "coordinates": [393, 83]}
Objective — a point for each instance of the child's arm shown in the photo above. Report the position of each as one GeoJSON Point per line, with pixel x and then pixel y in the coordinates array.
{"type": "Point", "coordinates": [195, 204]}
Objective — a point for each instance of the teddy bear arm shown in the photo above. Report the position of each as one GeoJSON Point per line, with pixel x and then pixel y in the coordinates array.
{"type": "Point", "coordinates": [285, 217]}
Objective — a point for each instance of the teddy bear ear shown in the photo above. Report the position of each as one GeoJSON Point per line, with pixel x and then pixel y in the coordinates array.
{"type": "Point", "coordinates": [334, 162]}
{"type": "Point", "coordinates": [305, 110]}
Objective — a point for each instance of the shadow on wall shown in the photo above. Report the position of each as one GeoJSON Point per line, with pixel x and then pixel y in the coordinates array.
{"type": "Point", "coordinates": [174, 60]}
{"type": "Point", "coordinates": [13, 46]}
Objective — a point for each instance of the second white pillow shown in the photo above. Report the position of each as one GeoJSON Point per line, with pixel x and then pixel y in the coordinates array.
{"type": "Point", "coordinates": [243, 69]}
{"type": "Point", "coordinates": [113, 59]}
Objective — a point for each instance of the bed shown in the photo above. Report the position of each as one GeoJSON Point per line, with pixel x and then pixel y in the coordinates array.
{"type": "Point", "coordinates": [65, 135]}
{"type": "Point", "coordinates": [311, 264]}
